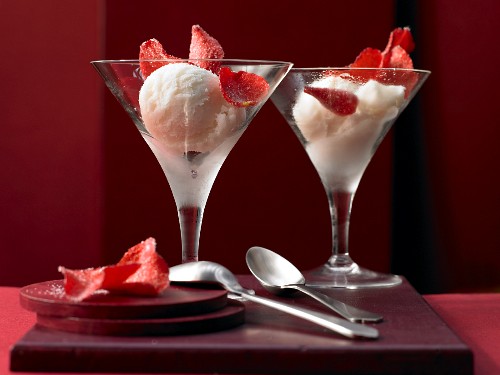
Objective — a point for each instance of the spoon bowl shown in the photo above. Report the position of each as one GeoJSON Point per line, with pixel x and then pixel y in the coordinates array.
{"type": "Point", "coordinates": [279, 276]}
{"type": "Point", "coordinates": [273, 271]}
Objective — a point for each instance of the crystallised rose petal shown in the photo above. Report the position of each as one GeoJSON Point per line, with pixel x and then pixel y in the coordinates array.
{"type": "Point", "coordinates": [368, 58]}
{"type": "Point", "coordinates": [391, 57]}
{"type": "Point", "coordinates": [116, 275]}
{"type": "Point", "coordinates": [408, 78]}
{"type": "Point", "coordinates": [152, 276]}
{"type": "Point", "coordinates": [204, 46]}
{"type": "Point", "coordinates": [341, 102]}
{"type": "Point", "coordinates": [242, 89]}
{"type": "Point", "coordinates": [400, 59]}
{"type": "Point", "coordinates": [141, 271]}
{"type": "Point", "coordinates": [81, 284]}
{"type": "Point", "coordinates": [399, 39]}
{"type": "Point", "coordinates": [152, 50]}
{"type": "Point", "coordinates": [402, 37]}
{"type": "Point", "coordinates": [395, 55]}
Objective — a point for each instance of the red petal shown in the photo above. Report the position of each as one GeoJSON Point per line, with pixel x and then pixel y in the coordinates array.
{"type": "Point", "coordinates": [400, 37]}
{"type": "Point", "coordinates": [140, 252]}
{"type": "Point", "coordinates": [242, 89]}
{"type": "Point", "coordinates": [204, 46]}
{"type": "Point", "coordinates": [116, 275]}
{"type": "Point", "coordinates": [81, 284]}
{"type": "Point", "coordinates": [408, 78]}
{"type": "Point", "coordinates": [152, 276]}
{"type": "Point", "coordinates": [368, 58]}
{"type": "Point", "coordinates": [141, 271]}
{"type": "Point", "coordinates": [152, 50]}
{"type": "Point", "coordinates": [395, 55]}
{"type": "Point", "coordinates": [341, 102]}
{"type": "Point", "coordinates": [400, 59]}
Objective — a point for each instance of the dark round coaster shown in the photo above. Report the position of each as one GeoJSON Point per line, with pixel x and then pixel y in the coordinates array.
{"type": "Point", "coordinates": [48, 299]}
{"type": "Point", "coordinates": [230, 316]}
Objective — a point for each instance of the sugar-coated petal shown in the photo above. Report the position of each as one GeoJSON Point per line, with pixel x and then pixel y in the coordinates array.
{"type": "Point", "coordinates": [341, 102]}
{"type": "Point", "coordinates": [395, 55]}
{"type": "Point", "coordinates": [400, 37]}
{"type": "Point", "coordinates": [151, 278]}
{"type": "Point", "coordinates": [152, 50]}
{"type": "Point", "coordinates": [368, 58]}
{"type": "Point", "coordinates": [204, 46]}
{"type": "Point", "coordinates": [400, 59]}
{"type": "Point", "coordinates": [81, 284]}
{"type": "Point", "coordinates": [116, 275]}
{"type": "Point", "coordinates": [407, 78]}
{"type": "Point", "coordinates": [141, 271]}
{"type": "Point", "coordinates": [242, 89]}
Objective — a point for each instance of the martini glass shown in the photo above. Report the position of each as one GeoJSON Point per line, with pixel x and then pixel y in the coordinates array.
{"type": "Point", "coordinates": [195, 130]}
{"type": "Point", "coordinates": [340, 130]}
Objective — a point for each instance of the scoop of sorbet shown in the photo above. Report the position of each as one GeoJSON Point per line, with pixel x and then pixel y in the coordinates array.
{"type": "Point", "coordinates": [377, 104]}
{"type": "Point", "coordinates": [183, 108]}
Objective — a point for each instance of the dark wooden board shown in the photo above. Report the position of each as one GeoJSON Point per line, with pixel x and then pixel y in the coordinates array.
{"type": "Point", "coordinates": [413, 340]}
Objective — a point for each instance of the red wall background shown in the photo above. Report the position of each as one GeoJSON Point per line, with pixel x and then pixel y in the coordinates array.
{"type": "Point", "coordinates": [51, 138]}
{"type": "Point", "coordinates": [79, 185]}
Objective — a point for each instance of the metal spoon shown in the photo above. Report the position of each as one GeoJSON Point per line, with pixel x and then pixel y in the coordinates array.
{"type": "Point", "coordinates": [277, 274]}
{"type": "Point", "coordinates": [214, 272]}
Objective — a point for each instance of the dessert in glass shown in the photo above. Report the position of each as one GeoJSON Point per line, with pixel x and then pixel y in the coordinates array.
{"type": "Point", "coordinates": [191, 112]}
{"type": "Point", "coordinates": [340, 116]}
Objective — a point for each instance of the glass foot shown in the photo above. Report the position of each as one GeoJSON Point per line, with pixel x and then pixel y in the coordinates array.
{"type": "Point", "coordinates": [349, 277]}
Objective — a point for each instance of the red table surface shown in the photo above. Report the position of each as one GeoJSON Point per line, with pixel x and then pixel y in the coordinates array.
{"type": "Point", "coordinates": [473, 317]}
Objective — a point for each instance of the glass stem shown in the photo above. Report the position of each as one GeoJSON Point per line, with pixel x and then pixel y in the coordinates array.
{"type": "Point", "coordinates": [340, 211]}
{"type": "Point", "coordinates": [190, 219]}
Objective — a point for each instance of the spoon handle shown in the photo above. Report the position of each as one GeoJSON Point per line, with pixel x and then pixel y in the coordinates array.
{"type": "Point", "coordinates": [347, 311]}
{"type": "Point", "coordinates": [343, 327]}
